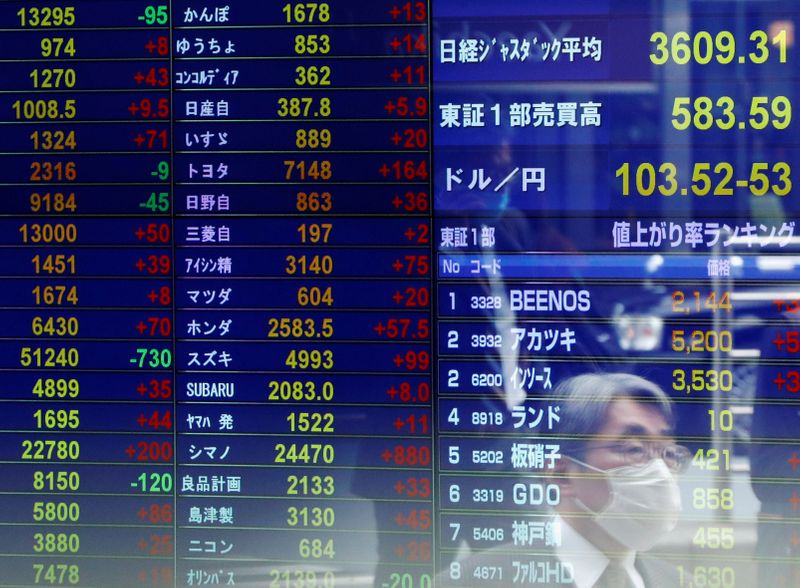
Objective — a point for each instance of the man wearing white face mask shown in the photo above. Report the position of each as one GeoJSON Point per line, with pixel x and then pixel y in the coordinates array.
{"type": "Point", "coordinates": [619, 495]}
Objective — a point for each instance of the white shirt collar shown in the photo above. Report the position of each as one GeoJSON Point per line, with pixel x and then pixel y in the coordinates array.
{"type": "Point", "coordinates": [588, 562]}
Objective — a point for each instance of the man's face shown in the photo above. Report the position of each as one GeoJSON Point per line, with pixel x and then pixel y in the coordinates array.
{"type": "Point", "coordinates": [625, 420]}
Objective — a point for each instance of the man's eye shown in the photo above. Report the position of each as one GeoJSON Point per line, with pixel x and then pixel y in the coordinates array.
{"type": "Point", "coordinates": [634, 451]}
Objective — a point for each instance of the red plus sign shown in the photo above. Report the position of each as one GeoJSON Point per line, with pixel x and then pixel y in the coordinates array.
{"type": "Point", "coordinates": [150, 46]}
{"type": "Point", "coordinates": [152, 296]}
{"type": "Point", "coordinates": [141, 389]}
{"type": "Point", "coordinates": [140, 264]}
{"type": "Point", "coordinates": [139, 233]}
{"type": "Point", "coordinates": [130, 451]}
{"type": "Point", "coordinates": [139, 140]}
{"type": "Point", "coordinates": [142, 513]}
{"type": "Point", "coordinates": [396, 138]}
{"type": "Point", "coordinates": [141, 420]}
{"type": "Point", "coordinates": [399, 551]}
{"type": "Point", "coordinates": [779, 381]}
{"type": "Point", "coordinates": [142, 545]}
{"type": "Point", "coordinates": [398, 361]}
{"type": "Point", "coordinates": [386, 455]}
{"type": "Point", "coordinates": [392, 392]}
{"type": "Point", "coordinates": [141, 327]}
{"type": "Point", "coordinates": [795, 538]}
{"type": "Point", "coordinates": [379, 328]}
{"type": "Point", "coordinates": [794, 500]}
{"type": "Point", "coordinates": [397, 265]}
{"type": "Point", "coordinates": [399, 519]}
{"type": "Point", "coordinates": [398, 298]}
{"type": "Point", "coordinates": [398, 423]}
{"type": "Point", "coordinates": [794, 462]}
{"type": "Point", "coordinates": [395, 75]}
{"type": "Point", "coordinates": [142, 576]}
{"type": "Point", "coordinates": [138, 77]}
{"type": "Point", "coordinates": [395, 44]}
{"type": "Point", "coordinates": [410, 234]}
{"type": "Point", "coordinates": [397, 202]}
{"type": "Point", "coordinates": [399, 488]}
{"type": "Point", "coordinates": [390, 107]}
{"type": "Point", "coordinates": [395, 11]}
{"type": "Point", "coordinates": [778, 342]}
{"type": "Point", "coordinates": [133, 109]}
{"type": "Point", "coordinates": [384, 170]}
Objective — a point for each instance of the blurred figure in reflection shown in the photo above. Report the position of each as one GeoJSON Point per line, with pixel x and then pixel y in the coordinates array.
{"type": "Point", "coordinates": [618, 491]}
{"type": "Point", "coordinates": [619, 495]}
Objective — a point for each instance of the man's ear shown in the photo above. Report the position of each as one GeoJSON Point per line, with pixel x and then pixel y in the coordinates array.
{"type": "Point", "coordinates": [562, 474]}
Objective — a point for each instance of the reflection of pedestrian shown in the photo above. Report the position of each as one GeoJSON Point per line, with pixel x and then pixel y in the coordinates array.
{"type": "Point", "coordinates": [618, 493]}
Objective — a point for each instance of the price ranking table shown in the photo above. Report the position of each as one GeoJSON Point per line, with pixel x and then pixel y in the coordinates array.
{"type": "Point", "coordinates": [615, 223]}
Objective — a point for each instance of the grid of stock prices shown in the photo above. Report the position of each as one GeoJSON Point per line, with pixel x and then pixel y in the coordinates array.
{"type": "Point", "coordinates": [399, 293]}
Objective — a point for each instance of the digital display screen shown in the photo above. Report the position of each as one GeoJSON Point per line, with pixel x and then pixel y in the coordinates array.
{"type": "Point", "coordinates": [399, 294]}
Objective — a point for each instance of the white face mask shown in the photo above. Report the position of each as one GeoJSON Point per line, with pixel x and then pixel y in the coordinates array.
{"type": "Point", "coordinates": [645, 504]}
